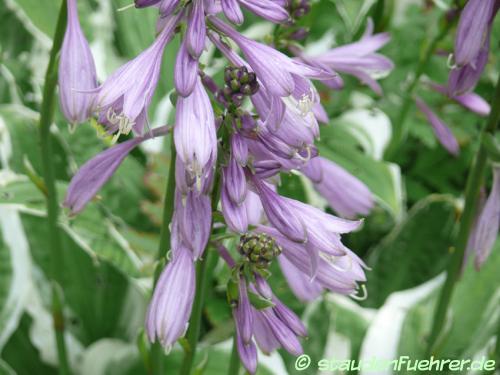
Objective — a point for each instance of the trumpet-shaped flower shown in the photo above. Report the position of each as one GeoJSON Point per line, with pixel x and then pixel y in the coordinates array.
{"type": "Point", "coordinates": [124, 98]}
{"type": "Point", "coordinates": [77, 73]}
{"type": "Point", "coordinates": [169, 310]}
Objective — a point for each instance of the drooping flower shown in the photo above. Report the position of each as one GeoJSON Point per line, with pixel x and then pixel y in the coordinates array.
{"type": "Point", "coordinates": [346, 194]}
{"type": "Point", "coordinates": [469, 100]}
{"type": "Point", "coordinates": [97, 171]}
{"type": "Point", "coordinates": [339, 274]}
{"type": "Point", "coordinates": [358, 59]}
{"type": "Point", "coordinates": [77, 72]}
{"type": "Point", "coordinates": [196, 30]}
{"type": "Point", "coordinates": [195, 132]}
{"type": "Point", "coordinates": [193, 214]}
{"type": "Point", "coordinates": [271, 328]}
{"type": "Point", "coordinates": [472, 45]}
{"type": "Point", "coordinates": [186, 71]}
{"type": "Point", "coordinates": [169, 310]}
{"type": "Point", "coordinates": [442, 132]}
{"type": "Point", "coordinates": [269, 10]}
{"type": "Point", "coordinates": [123, 99]}
{"type": "Point", "coordinates": [273, 68]}
{"type": "Point", "coordinates": [485, 231]}
{"type": "Point", "coordinates": [473, 27]}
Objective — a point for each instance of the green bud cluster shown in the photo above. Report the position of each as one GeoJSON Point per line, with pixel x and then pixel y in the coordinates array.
{"type": "Point", "coordinates": [259, 249]}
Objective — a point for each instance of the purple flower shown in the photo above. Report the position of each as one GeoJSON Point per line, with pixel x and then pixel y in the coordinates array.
{"type": "Point", "coordinates": [442, 132]}
{"type": "Point", "coordinates": [271, 328]}
{"type": "Point", "coordinates": [472, 44]}
{"type": "Point", "coordinates": [194, 132]}
{"type": "Point", "coordinates": [485, 231]}
{"type": "Point", "coordinates": [267, 9]}
{"type": "Point", "coordinates": [346, 194]}
{"type": "Point", "coordinates": [97, 171]}
{"type": "Point", "coordinates": [77, 73]}
{"type": "Point", "coordinates": [186, 71]}
{"type": "Point", "coordinates": [124, 98]}
{"type": "Point", "coordinates": [273, 68]}
{"type": "Point", "coordinates": [339, 274]}
{"type": "Point", "coordinates": [470, 100]}
{"type": "Point", "coordinates": [280, 214]}
{"type": "Point", "coordinates": [301, 285]}
{"type": "Point", "coordinates": [473, 27]}
{"type": "Point", "coordinates": [464, 79]}
{"type": "Point", "coordinates": [196, 30]}
{"type": "Point", "coordinates": [193, 213]}
{"type": "Point", "coordinates": [170, 308]}
{"type": "Point", "coordinates": [358, 59]}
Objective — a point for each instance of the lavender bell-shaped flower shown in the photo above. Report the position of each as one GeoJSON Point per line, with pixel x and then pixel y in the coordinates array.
{"type": "Point", "coordinates": [358, 59]}
{"type": "Point", "coordinates": [273, 68]}
{"type": "Point", "coordinates": [485, 232]}
{"type": "Point", "coordinates": [196, 30]}
{"type": "Point", "coordinates": [469, 100]}
{"type": "Point", "coordinates": [195, 132]}
{"type": "Point", "coordinates": [97, 171]}
{"type": "Point", "coordinates": [169, 310]}
{"type": "Point", "coordinates": [194, 217]}
{"type": "Point", "coordinates": [77, 72]}
{"type": "Point", "coordinates": [346, 194]}
{"type": "Point", "coordinates": [267, 9]}
{"type": "Point", "coordinates": [472, 28]}
{"type": "Point", "coordinates": [124, 98]}
{"type": "Point", "coordinates": [442, 132]}
{"type": "Point", "coordinates": [186, 71]}
{"type": "Point", "coordinates": [472, 44]}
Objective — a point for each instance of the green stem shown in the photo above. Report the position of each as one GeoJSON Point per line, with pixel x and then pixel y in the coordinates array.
{"type": "Point", "coordinates": [168, 204]}
{"type": "Point", "coordinates": [202, 280]}
{"type": "Point", "coordinates": [234, 364]}
{"type": "Point", "coordinates": [55, 244]}
{"type": "Point", "coordinates": [474, 183]}
{"type": "Point", "coordinates": [401, 125]}
{"type": "Point", "coordinates": [157, 353]}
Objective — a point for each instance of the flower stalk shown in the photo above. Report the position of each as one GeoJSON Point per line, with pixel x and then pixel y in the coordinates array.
{"type": "Point", "coordinates": [234, 364]}
{"type": "Point", "coordinates": [55, 243]}
{"type": "Point", "coordinates": [157, 352]}
{"type": "Point", "coordinates": [474, 183]}
{"type": "Point", "coordinates": [202, 280]}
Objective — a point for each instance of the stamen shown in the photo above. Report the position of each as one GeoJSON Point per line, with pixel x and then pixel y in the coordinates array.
{"type": "Point", "coordinates": [450, 63]}
{"type": "Point", "coordinates": [124, 124]}
{"type": "Point", "coordinates": [305, 104]}
{"type": "Point", "coordinates": [362, 297]}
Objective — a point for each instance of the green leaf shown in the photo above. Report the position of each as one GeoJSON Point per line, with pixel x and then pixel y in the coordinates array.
{"type": "Point", "coordinates": [472, 320]}
{"type": "Point", "coordinates": [21, 355]}
{"type": "Point", "coordinates": [21, 134]}
{"type": "Point", "coordinates": [104, 301]}
{"type": "Point", "coordinates": [415, 251]}
{"type": "Point", "coordinates": [14, 272]}
{"type": "Point", "coordinates": [37, 15]}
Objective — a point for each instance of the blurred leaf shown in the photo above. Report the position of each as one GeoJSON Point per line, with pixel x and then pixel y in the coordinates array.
{"type": "Point", "coordinates": [37, 15]}
{"type": "Point", "coordinates": [14, 272]}
{"type": "Point", "coordinates": [21, 134]}
{"type": "Point", "coordinates": [415, 251]}
{"type": "Point", "coordinates": [21, 354]}
{"type": "Point", "coordinates": [472, 320]}
{"type": "Point", "coordinates": [104, 301]}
